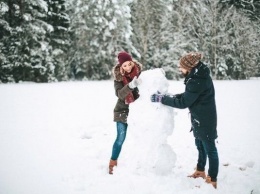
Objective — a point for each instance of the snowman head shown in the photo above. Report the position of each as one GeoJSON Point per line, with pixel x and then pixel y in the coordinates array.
{"type": "Point", "coordinates": [153, 81]}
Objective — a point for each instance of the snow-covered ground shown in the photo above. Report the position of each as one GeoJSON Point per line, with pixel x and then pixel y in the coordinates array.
{"type": "Point", "coordinates": [57, 139]}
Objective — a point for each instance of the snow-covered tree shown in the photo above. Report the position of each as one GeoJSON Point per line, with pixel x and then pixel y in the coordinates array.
{"type": "Point", "coordinates": [243, 50]}
{"type": "Point", "coordinates": [100, 28]}
{"type": "Point", "coordinates": [5, 30]}
{"type": "Point", "coordinates": [151, 36]}
{"type": "Point", "coordinates": [55, 40]}
{"type": "Point", "coordinates": [218, 33]}
{"type": "Point", "coordinates": [244, 61]}
{"type": "Point", "coordinates": [27, 49]}
{"type": "Point", "coordinates": [249, 7]}
{"type": "Point", "coordinates": [58, 41]}
{"type": "Point", "coordinates": [22, 44]}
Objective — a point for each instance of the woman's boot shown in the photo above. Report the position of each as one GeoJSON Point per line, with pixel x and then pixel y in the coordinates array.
{"type": "Point", "coordinates": [112, 164]}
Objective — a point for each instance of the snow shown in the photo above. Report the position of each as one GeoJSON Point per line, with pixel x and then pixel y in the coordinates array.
{"type": "Point", "coordinates": [57, 138]}
{"type": "Point", "coordinates": [156, 155]}
{"type": "Point", "coordinates": [3, 7]}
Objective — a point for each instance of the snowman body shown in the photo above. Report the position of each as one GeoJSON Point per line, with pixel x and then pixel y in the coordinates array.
{"type": "Point", "coordinates": [149, 126]}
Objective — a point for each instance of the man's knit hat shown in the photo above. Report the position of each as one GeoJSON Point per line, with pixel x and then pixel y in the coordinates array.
{"type": "Point", "coordinates": [190, 60]}
{"type": "Point", "coordinates": [123, 57]}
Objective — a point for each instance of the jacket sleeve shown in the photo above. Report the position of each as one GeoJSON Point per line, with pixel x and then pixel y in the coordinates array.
{"type": "Point", "coordinates": [121, 90]}
{"type": "Point", "coordinates": [185, 99]}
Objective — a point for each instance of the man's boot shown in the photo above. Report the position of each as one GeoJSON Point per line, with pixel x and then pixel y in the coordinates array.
{"type": "Point", "coordinates": [112, 164]}
{"type": "Point", "coordinates": [198, 174]}
{"type": "Point", "coordinates": [214, 183]}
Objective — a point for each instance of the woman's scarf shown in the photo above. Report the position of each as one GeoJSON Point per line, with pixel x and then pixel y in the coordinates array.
{"type": "Point", "coordinates": [127, 78]}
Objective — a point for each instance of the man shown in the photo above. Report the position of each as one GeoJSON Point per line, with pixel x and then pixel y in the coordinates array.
{"type": "Point", "coordinates": [199, 97]}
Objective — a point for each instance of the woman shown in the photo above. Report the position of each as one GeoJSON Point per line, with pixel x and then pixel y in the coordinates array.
{"type": "Point", "coordinates": [126, 80]}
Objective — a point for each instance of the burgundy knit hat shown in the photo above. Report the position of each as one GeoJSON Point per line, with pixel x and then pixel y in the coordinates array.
{"type": "Point", "coordinates": [190, 60]}
{"type": "Point", "coordinates": [123, 57]}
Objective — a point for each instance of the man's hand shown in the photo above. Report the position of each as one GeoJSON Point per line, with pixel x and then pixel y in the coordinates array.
{"type": "Point", "coordinates": [157, 97]}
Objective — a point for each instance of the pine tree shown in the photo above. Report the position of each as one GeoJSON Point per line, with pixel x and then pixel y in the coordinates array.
{"type": "Point", "coordinates": [58, 40]}
{"type": "Point", "coordinates": [148, 18]}
{"type": "Point", "coordinates": [23, 43]}
{"type": "Point", "coordinates": [5, 31]}
{"type": "Point", "coordinates": [249, 7]}
{"type": "Point", "coordinates": [244, 62]}
{"type": "Point", "coordinates": [99, 30]}
{"type": "Point", "coordinates": [218, 33]}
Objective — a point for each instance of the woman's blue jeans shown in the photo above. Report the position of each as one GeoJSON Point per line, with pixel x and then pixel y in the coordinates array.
{"type": "Point", "coordinates": [207, 148]}
{"type": "Point", "coordinates": [121, 134]}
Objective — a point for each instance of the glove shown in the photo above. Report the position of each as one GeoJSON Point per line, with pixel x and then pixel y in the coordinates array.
{"type": "Point", "coordinates": [157, 97]}
{"type": "Point", "coordinates": [134, 83]}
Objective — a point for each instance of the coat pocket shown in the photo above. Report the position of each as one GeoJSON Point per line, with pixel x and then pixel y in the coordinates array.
{"type": "Point", "coordinates": [195, 123]}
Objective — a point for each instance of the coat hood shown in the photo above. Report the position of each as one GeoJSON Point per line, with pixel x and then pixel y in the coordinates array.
{"type": "Point", "coordinates": [201, 71]}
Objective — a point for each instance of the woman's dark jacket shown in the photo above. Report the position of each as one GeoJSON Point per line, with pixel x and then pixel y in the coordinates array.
{"type": "Point", "coordinates": [121, 109]}
{"type": "Point", "coordinates": [199, 97]}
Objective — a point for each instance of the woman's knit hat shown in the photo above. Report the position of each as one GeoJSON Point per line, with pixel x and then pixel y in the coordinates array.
{"type": "Point", "coordinates": [190, 60]}
{"type": "Point", "coordinates": [123, 57]}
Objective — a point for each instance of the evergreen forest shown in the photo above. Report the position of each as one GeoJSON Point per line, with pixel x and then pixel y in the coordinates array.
{"type": "Point", "coordinates": [57, 40]}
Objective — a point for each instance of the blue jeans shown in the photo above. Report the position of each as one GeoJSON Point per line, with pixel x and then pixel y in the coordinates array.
{"type": "Point", "coordinates": [207, 148]}
{"type": "Point", "coordinates": [121, 134]}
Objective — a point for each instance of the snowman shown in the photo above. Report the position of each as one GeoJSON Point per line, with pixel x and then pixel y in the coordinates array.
{"type": "Point", "coordinates": [149, 125]}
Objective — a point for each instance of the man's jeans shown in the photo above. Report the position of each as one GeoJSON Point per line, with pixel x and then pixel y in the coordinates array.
{"type": "Point", "coordinates": [207, 148]}
{"type": "Point", "coordinates": [121, 134]}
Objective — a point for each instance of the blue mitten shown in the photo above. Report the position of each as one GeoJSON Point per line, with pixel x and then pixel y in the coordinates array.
{"type": "Point", "coordinates": [157, 97]}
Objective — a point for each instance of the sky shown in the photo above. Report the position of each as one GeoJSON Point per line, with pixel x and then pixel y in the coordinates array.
{"type": "Point", "coordinates": [58, 137]}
